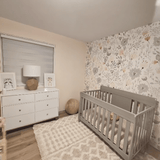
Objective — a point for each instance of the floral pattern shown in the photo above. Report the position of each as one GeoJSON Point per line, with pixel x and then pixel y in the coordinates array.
{"type": "Point", "coordinates": [129, 61]}
{"type": "Point", "coordinates": [134, 73]}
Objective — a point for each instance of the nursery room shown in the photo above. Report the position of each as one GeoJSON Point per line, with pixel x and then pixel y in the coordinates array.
{"type": "Point", "coordinates": [80, 80]}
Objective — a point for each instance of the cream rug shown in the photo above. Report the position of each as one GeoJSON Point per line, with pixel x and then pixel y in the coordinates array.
{"type": "Point", "coordinates": [67, 139]}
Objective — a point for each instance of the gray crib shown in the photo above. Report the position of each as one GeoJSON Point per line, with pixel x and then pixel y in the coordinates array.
{"type": "Point", "coordinates": [122, 119]}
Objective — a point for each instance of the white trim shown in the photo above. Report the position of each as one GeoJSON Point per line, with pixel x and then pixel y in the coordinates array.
{"type": "Point", "coordinates": [1, 65]}
{"type": "Point", "coordinates": [27, 40]}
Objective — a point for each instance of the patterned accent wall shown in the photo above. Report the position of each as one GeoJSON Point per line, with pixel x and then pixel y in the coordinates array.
{"type": "Point", "coordinates": [129, 61]}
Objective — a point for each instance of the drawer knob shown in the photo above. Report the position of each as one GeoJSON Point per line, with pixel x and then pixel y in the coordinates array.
{"type": "Point", "coordinates": [19, 99]}
{"type": "Point", "coordinates": [19, 120]}
{"type": "Point", "coordinates": [19, 110]}
{"type": "Point", "coordinates": [47, 104]}
{"type": "Point", "coordinates": [47, 95]}
{"type": "Point", "coordinates": [47, 114]}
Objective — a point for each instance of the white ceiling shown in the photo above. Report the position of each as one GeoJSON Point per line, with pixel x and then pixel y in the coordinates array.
{"type": "Point", "coordinates": [84, 20]}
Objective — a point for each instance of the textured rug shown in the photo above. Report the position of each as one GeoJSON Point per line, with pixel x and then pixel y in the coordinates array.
{"type": "Point", "coordinates": [67, 139]}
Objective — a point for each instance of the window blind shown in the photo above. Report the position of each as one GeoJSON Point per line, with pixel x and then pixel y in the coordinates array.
{"type": "Point", "coordinates": [16, 54]}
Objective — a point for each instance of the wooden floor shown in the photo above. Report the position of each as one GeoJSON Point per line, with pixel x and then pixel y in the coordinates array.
{"type": "Point", "coordinates": [22, 145]}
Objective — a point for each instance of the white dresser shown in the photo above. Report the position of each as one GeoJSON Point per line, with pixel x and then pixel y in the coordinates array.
{"type": "Point", "coordinates": [23, 107]}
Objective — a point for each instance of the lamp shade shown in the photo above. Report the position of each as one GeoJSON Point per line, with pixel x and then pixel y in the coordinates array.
{"type": "Point", "coordinates": [31, 71]}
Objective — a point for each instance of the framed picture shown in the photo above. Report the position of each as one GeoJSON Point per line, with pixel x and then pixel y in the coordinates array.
{"type": "Point", "coordinates": [7, 81]}
{"type": "Point", "coordinates": [49, 80]}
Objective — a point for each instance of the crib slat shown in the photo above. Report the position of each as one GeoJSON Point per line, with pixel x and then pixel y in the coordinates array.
{"type": "Point", "coordinates": [147, 120]}
{"type": "Point", "coordinates": [88, 110]}
{"type": "Point", "coordinates": [99, 112]}
{"type": "Point", "coordinates": [108, 121]}
{"type": "Point", "coordinates": [151, 121]}
{"type": "Point", "coordinates": [95, 111]}
{"type": "Point", "coordinates": [102, 95]}
{"type": "Point", "coordinates": [109, 95]}
{"type": "Point", "coordinates": [141, 107]}
{"type": "Point", "coordinates": [91, 115]}
{"type": "Point", "coordinates": [137, 135]}
{"type": "Point", "coordinates": [126, 137]}
{"type": "Point", "coordinates": [140, 131]}
{"type": "Point", "coordinates": [99, 94]}
{"type": "Point", "coordinates": [144, 128]}
{"type": "Point", "coordinates": [83, 105]}
{"type": "Point", "coordinates": [119, 131]}
{"type": "Point", "coordinates": [135, 107]}
{"type": "Point", "coordinates": [94, 93]}
{"type": "Point", "coordinates": [103, 118]}
{"type": "Point", "coordinates": [106, 96]}
{"type": "Point", "coordinates": [86, 101]}
{"type": "Point", "coordinates": [131, 150]}
{"type": "Point", "coordinates": [113, 127]}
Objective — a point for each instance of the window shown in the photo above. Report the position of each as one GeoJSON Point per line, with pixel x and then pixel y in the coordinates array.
{"type": "Point", "coordinates": [17, 53]}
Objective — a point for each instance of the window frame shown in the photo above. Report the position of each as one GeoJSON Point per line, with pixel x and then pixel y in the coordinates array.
{"type": "Point", "coordinates": [26, 41]}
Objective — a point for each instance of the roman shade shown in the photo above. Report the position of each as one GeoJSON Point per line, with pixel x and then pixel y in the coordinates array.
{"type": "Point", "coordinates": [16, 54]}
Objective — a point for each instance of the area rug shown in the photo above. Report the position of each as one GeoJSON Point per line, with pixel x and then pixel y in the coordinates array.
{"type": "Point", "coordinates": [68, 139]}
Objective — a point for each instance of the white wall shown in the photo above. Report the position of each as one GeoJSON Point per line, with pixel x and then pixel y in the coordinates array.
{"type": "Point", "coordinates": [69, 57]}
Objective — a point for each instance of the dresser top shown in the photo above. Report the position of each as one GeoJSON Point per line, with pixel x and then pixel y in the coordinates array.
{"type": "Point", "coordinates": [25, 91]}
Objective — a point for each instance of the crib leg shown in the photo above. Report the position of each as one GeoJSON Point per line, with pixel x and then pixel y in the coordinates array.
{"type": "Point", "coordinates": [144, 149]}
{"type": "Point", "coordinates": [79, 116]}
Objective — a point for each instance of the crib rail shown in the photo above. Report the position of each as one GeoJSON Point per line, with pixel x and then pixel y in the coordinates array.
{"type": "Point", "coordinates": [143, 127]}
{"type": "Point", "coordinates": [125, 130]}
{"type": "Point", "coordinates": [96, 121]}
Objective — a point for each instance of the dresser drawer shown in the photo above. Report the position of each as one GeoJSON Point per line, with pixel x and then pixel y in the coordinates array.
{"type": "Point", "coordinates": [19, 121]}
{"type": "Point", "coordinates": [44, 96]}
{"type": "Point", "coordinates": [11, 100]}
{"type": "Point", "coordinates": [47, 104]}
{"type": "Point", "coordinates": [47, 114]}
{"type": "Point", "coordinates": [18, 110]}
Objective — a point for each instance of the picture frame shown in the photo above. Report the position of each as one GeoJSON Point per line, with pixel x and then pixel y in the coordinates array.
{"type": "Point", "coordinates": [7, 81]}
{"type": "Point", "coordinates": [49, 80]}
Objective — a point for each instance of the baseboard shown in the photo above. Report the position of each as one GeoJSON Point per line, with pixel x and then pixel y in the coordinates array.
{"type": "Point", "coordinates": [153, 152]}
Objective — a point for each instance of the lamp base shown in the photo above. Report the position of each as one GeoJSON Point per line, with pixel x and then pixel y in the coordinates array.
{"type": "Point", "coordinates": [32, 84]}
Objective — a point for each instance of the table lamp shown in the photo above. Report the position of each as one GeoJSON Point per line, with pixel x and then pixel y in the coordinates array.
{"type": "Point", "coordinates": [32, 72]}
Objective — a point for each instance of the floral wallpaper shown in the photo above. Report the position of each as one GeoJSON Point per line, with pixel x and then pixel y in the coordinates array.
{"type": "Point", "coordinates": [129, 61]}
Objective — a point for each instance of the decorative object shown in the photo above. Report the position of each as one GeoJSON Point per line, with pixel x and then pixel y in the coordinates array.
{"type": "Point", "coordinates": [22, 107]}
{"type": "Point", "coordinates": [112, 115]}
{"type": "Point", "coordinates": [31, 71]}
{"type": "Point", "coordinates": [7, 81]}
{"type": "Point", "coordinates": [72, 106]}
{"type": "Point", "coordinates": [32, 84]}
{"type": "Point", "coordinates": [69, 140]}
{"type": "Point", "coordinates": [49, 80]}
